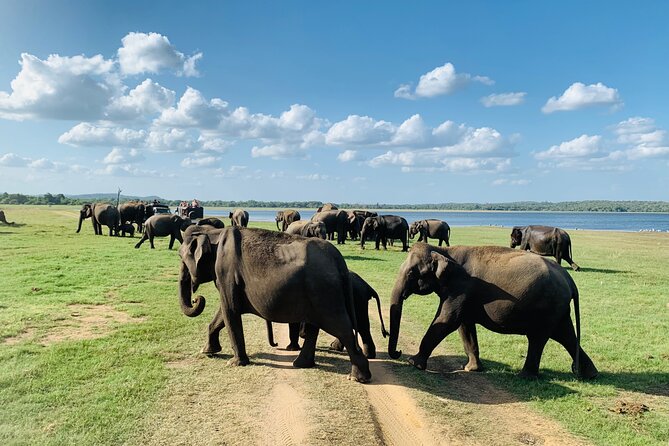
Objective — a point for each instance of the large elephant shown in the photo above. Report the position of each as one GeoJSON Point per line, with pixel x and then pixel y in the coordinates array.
{"type": "Point", "coordinates": [335, 221]}
{"type": "Point", "coordinates": [100, 214]}
{"type": "Point", "coordinates": [279, 277]}
{"type": "Point", "coordinates": [307, 228]}
{"type": "Point", "coordinates": [286, 217]}
{"type": "Point", "coordinates": [162, 225]}
{"type": "Point", "coordinates": [360, 216]}
{"type": "Point", "coordinates": [133, 212]}
{"type": "Point", "coordinates": [545, 241]}
{"type": "Point", "coordinates": [504, 290]}
{"type": "Point", "coordinates": [3, 219]}
{"type": "Point", "coordinates": [385, 227]}
{"type": "Point", "coordinates": [430, 229]}
{"type": "Point", "coordinates": [211, 221]}
{"type": "Point", "coordinates": [327, 207]}
{"type": "Point", "coordinates": [239, 217]}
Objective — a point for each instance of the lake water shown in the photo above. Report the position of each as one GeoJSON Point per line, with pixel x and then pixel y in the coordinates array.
{"type": "Point", "coordinates": [614, 221]}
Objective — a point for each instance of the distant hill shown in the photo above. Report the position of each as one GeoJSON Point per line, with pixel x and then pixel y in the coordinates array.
{"type": "Point", "coordinates": [112, 196]}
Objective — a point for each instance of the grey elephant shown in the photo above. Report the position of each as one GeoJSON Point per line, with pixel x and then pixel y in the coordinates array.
{"type": "Point", "coordinates": [162, 225]}
{"type": "Point", "coordinates": [239, 217]}
{"type": "Point", "coordinates": [211, 221]}
{"type": "Point", "coordinates": [431, 228]}
{"type": "Point", "coordinates": [127, 228]}
{"type": "Point", "coordinates": [504, 290]}
{"type": "Point", "coordinates": [545, 241]}
{"type": "Point", "coordinates": [334, 221]}
{"type": "Point", "coordinates": [100, 214]}
{"type": "Point", "coordinates": [307, 228]}
{"type": "Point", "coordinates": [327, 207]}
{"type": "Point", "coordinates": [279, 277]}
{"type": "Point", "coordinates": [286, 217]}
{"type": "Point", "coordinates": [384, 228]}
{"type": "Point", "coordinates": [133, 212]}
{"type": "Point", "coordinates": [3, 219]}
{"type": "Point", "coordinates": [362, 293]}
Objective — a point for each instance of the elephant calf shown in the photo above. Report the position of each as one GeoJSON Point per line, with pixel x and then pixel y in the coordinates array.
{"type": "Point", "coordinates": [545, 241]}
{"type": "Point", "coordinates": [162, 225]}
{"type": "Point", "coordinates": [427, 229]}
{"type": "Point", "coordinates": [307, 228]}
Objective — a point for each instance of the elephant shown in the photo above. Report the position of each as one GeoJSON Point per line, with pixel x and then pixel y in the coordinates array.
{"type": "Point", "coordinates": [3, 219]}
{"type": "Point", "coordinates": [279, 277]}
{"type": "Point", "coordinates": [239, 217]}
{"type": "Point", "coordinates": [211, 221]}
{"type": "Point", "coordinates": [133, 212]}
{"type": "Point", "coordinates": [430, 228]}
{"type": "Point", "coordinates": [385, 227]}
{"type": "Point", "coordinates": [327, 207]}
{"type": "Point", "coordinates": [162, 225]}
{"type": "Point", "coordinates": [100, 214]}
{"type": "Point", "coordinates": [360, 217]}
{"type": "Point", "coordinates": [504, 290]}
{"type": "Point", "coordinates": [362, 293]}
{"type": "Point", "coordinates": [335, 221]}
{"type": "Point", "coordinates": [286, 217]}
{"type": "Point", "coordinates": [307, 228]}
{"type": "Point", "coordinates": [545, 241]}
{"type": "Point", "coordinates": [127, 228]}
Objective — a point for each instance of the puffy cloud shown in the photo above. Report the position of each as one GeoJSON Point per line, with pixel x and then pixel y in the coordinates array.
{"type": "Point", "coordinates": [147, 99]}
{"type": "Point", "coordinates": [347, 155]}
{"type": "Point", "coordinates": [640, 131]}
{"type": "Point", "coordinates": [503, 99]}
{"type": "Point", "coordinates": [13, 160]}
{"type": "Point", "coordinates": [88, 135]}
{"type": "Point", "coordinates": [582, 147]}
{"type": "Point", "coordinates": [153, 53]}
{"type": "Point", "coordinates": [442, 80]}
{"type": "Point", "coordinates": [359, 130]}
{"type": "Point", "coordinates": [122, 156]}
{"type": "Point", "coordinates": [412, 132]}
{"type": "Point", "coordinates": [173, 140]}
{"type": "Point", "coordinates": [193, 110]}
{"type": "Point", "coordinates": [200, 161]}
{"type": "Point", "coordinates": [278, 151]}
{"type": "Point", "coordinates": [579, 95]}
{"type": "Point", "coordinates": [61, 88]}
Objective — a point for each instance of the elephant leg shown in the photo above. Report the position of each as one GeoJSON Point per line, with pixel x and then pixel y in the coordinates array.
{"type": "Point", "coordinates": [233, 324]}
{"type": "Point", "coordinates": [568, 259]}
{"type": "Point", "coordinates": [344, 332]}
{"type": "Point", "coordinates": [171, 241]}
{"type": "Point", "coordinates": [213, 344]}
{"type": "Point", "coordinates": [151, 241]}
{"type": "Point", "coordinates": [141, 240]}
{"type": "Point", "coordinates": [440, 240]}
{"type": "Point", "coordinates": [445, 322]}
{"type": "Point", "coordinates": [535, 349]}
{"type": "Point", "coordinates": [368, 347]}
{"type": "Point", "coordinates": [307, 356]}
{"type": "Point", "coordinates": [337, 345]}
{"type": "Point", "coordinates": [294, 335]}
{"type": "Point", "coordinates": [565, 335]}
{"type": "Point", "coordinates": [405, 244]}
{"type": "Point", "coordinates": [470, 342]}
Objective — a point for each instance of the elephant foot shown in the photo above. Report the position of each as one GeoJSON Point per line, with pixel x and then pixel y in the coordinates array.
{"type": "Point", "coordinates": [575, 267]}
{"type": "Point", "coordinates": [529, 375]}
{"type": "Point", "coordinates": [369, 351]}
{"type": "Point", "coordinates": [473, 366]}
{"type": "Point", "coordinates": [302, 363]}
{"type": "Point", "coordinates": [588, 369]}
{"type": "Point", "coordinates": [337, 345]}
{"type": "Point", "coordinates": [418, 362]}
{"type": "Point", "coordinates": [360, 376]}
{"type": "Point", "coordinates": [211, 350]}
{"type": "Point", "coordinates": [236, 361]}
{"type": "Point", "coordinates": [293, 347]}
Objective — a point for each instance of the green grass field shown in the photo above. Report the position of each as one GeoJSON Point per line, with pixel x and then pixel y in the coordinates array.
{"type": "Point", "coordinates": [94, 349]}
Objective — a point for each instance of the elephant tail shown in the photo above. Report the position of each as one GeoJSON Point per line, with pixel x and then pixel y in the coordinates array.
{"type": "Point", "coordinates": [350, 305]}
{"type": "Point", "coordinates": [270, 334]}
{"type": "Point", "coordinates": [577, 314]}
{"type": "Point", "coordinates": [378, 304]}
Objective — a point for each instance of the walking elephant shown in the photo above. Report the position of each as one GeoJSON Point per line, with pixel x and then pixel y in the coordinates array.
{"type": "Point", "coordinates": [385, 227]}
{"type": "Point", "coordinates": [430, 229]}
{"type": "Point", "coordinates": [307, 228]}
{"type": "Point", "coordinates": [277, 276]}
{"type": "Point", "coordinates": [211, 221]}
{"type": "Point", "coordinates": [239, 217]}
{"type": "Point", "coordinates": [286, 217]}
{"type": "Point", "coordinates": [334, 221]}
{"type": "Point", "coordinates": [162, 225]}
{"type": "Point", "coordinates": [133, 212]}
{"type": "Point", "coordinates": [327, 207]}
{"type": "Point", "coordinates": [545, 241]}
{"type": "Point", "coordinates": [3, 219]}
{"type": "Point", "coordinates": [100, 214]}
{"type": "Point", "coordinates": [505, 291]}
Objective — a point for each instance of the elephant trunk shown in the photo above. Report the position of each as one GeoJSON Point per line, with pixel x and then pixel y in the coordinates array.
{"type": "Point", "coordinates": [81, 219]}
{"type": "Point", "coordinates": [277, 225]}
{"type": "Point", "coordinates": [395, 318]}
{"type": "Point", "coordinates": [188, 307]}
{"type": "Point", "coordinates": [362, 237]}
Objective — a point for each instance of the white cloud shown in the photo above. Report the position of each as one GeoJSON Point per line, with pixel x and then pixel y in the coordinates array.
{"type": "Point", "coordinates": [278, 151]}
{"type": "Point", "coordinates": [153, 53]}
{"type": "Point", "coordinates": [579, 95]}
{"type": "Point", "coordinates": [442, 80]}
{"type": "Point", "coordinates": [510, 182]}
{"type": "Point", "coordinates": [200, 161]}
{"type": "Point", "coordinates": [173, 140]}
{"type": "Point", "coordinates": [314, 177]}
{"type": "Point", "coordinates": [123, 156]}
{"type": "Point", "coordinates": [584, 146]}
{"type": "Point", "coordinates": [503, 99]}
{"type": "Point", "coordinates": [147, 99]}
{"type": "Point", "coordinates": [359, 130]}
{"type": "Point", "coordinates": [193, 110]}
{"type": "Point", "coordinates": [85, 134]}
{"type": "Point", "coordinates": [347, 155]}
{"type": "Point", "coordinates": [412, 132]}
{"type": "Point", "coordinates": [13, 160]}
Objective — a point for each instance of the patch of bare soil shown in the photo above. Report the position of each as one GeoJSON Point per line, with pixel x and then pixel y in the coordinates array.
{"type": "Point", "coordinates": [629, 408]}
{"type": "Point", "coordinates": [82, 322]}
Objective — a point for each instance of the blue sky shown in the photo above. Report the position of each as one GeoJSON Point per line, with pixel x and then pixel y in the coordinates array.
{"type": "Point", "coordinates": [389, 102]}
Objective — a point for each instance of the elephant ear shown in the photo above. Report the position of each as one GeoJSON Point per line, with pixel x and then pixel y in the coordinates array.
{"type": "Point", "coordinates": [441, 266]}
{"type": "Point", "coordinates": [200, 247]}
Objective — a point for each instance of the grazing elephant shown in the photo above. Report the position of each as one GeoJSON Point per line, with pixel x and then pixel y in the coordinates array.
{"type": "Point", "coordinates": [127, 228]}
{"type": "Point", "coordinates": [100, 214]}
{"type": "Point", "coordinates": [211, 221]}
{"type": "Point", "coordinates": [239, 217]}
{"type": "Point", "coordinates": [545, 241]}
{"type": "Point", "coordinates": [279, 277]}
{"type": "Point", "coordinates": [430, 229]}
{"type": "Point", "coordinates": [506, 291]}
{"type": "Point", "coordinates": [335, 221]}
{"type": "Point", "coordinates": [362, 293]}
{"type": "Point", "coordinates": [307, 228]}
{"type": "Point", "coordinates": [3, 219]}
{"type": "Point", "coordinates": [162, 225]}
{"type": "Point", "coordinates": [327, 207]}
{"type": "Point", "coordinates": [133, 212]}
{"type": "Point", "coordinates": [286, 217]}
{"type": "Point", "coordinates": [385, 227]}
